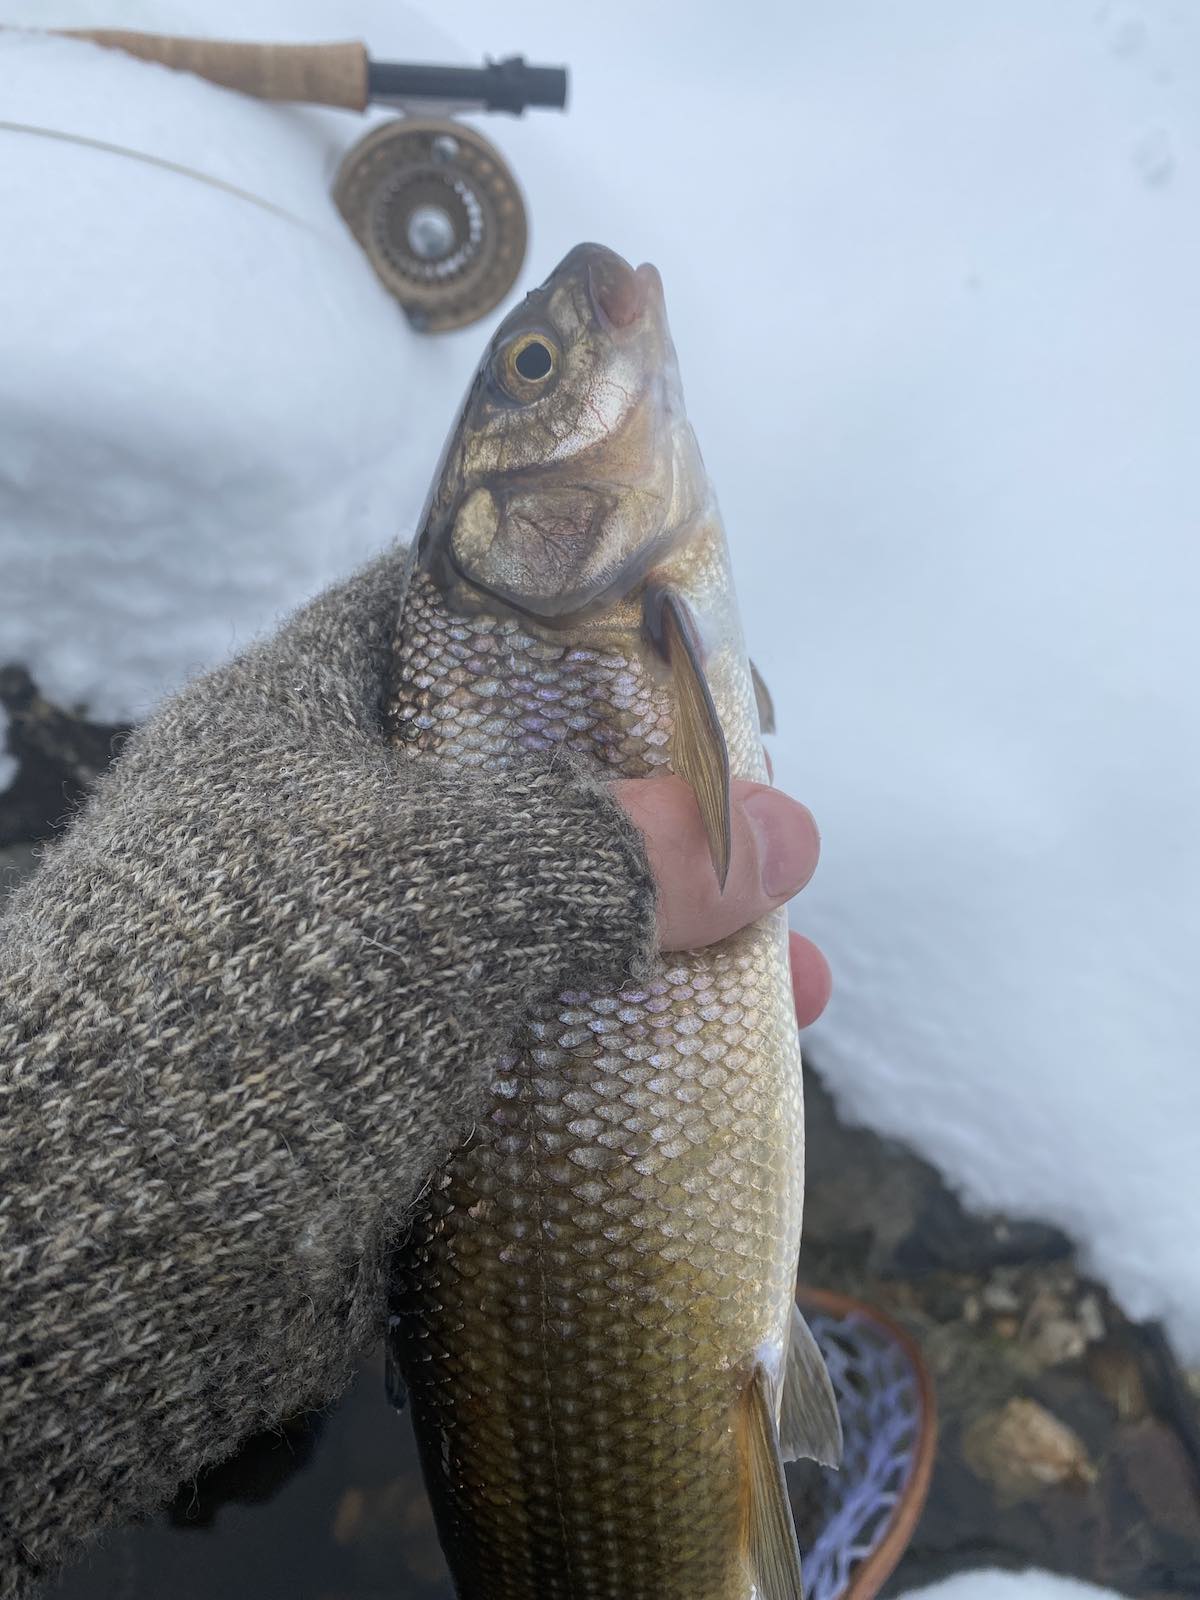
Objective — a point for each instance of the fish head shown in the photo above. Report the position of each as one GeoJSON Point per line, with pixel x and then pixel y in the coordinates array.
{"type": "Point", "coordinates": [572, 466]}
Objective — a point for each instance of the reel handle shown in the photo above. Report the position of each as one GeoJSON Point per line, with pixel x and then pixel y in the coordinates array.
{"type": "Point", "coordinates": [318, 74]}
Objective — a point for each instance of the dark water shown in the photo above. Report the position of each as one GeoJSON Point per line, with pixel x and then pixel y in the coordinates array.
{"type": "Point", "coordinates": [331, 1509]}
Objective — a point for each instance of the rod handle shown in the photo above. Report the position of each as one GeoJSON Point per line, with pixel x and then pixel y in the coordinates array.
{"type": "Point", "coordinates": [317, 74]}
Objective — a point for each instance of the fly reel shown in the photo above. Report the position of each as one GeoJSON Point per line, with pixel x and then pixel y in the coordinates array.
{"type": "Point", "coordinates": [439, 215]}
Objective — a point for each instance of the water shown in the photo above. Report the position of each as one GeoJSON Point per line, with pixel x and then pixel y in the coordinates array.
{"type": "Point", "coordinates": [333, 1508]}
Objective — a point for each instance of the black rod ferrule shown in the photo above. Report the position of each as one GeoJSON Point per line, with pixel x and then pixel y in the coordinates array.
{"type": "Point", "coordinates": [509, 85]}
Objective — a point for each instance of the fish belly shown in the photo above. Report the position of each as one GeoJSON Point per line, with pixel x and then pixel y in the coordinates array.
{"type": "Point", "coordinates": [589, 1282]}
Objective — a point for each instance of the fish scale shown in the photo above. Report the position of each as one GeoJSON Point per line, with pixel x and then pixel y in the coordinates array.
{"type": "Point", "coordinates": [587, 1283]}
{"type": "Point", "coordinates": [483, 691]}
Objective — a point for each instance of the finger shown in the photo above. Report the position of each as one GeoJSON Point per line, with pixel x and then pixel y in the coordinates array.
{"type": "Point", "coordinates": [812, 981]}
{"type": "Point", "coordinates": [775, 849]}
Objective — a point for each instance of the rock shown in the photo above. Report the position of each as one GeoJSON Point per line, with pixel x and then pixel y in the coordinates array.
{"type": "Point", "coordinates": [1115, 1371]}
{"type": "Point", "coordinates": [1156, 1469]}
{"type": "Point", "coordinates": [59, 756]}
{"type": "Point", "coordinates": [998, 1294]}
{"type": "Point", "coordinates": [1052, 1331]}
{"type": "Point", "coordinates": [1022, 1449]}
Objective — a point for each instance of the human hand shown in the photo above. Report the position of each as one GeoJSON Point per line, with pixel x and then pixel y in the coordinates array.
{"type": "Point", "coordinates": [775, 850]}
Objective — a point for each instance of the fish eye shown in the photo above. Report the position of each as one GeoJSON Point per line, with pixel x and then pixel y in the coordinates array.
{"type": "Point", "coordinates": [527, 365]}
{"type": "Point", "coordinates": [534, 361]}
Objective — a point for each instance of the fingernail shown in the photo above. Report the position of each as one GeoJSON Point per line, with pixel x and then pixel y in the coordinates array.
{"type": "Point", "coordinates": [787, 841]}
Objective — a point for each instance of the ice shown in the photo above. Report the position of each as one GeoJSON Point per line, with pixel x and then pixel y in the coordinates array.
{"type": "Point", "coordinates": [931, 272]}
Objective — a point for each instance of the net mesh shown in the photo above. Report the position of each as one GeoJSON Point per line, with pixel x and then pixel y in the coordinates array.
{"type": "Point", "coordinates": [879, 1399]}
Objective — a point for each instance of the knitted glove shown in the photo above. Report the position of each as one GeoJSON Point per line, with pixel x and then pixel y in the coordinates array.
{"type": "Point", "coordinates": [247, 1004]}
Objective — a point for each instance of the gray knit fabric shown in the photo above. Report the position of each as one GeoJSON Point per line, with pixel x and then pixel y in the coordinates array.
{"type": "Point", "coordinates": [247, 1003]}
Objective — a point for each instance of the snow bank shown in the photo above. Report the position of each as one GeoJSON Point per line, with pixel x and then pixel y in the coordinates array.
{"type": "Point", "coordinates": [1030, 1585]}
{"type": "Point", "coordinates": [932, 276]}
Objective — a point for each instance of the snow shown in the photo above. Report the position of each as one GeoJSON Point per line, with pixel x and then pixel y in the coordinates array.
{"type": "Point", "coordinates": [202, 412]}
{"type": "Point", "coordinates": [931, 273]}
{"type": "Point", "coordinates": [1030, 1585]}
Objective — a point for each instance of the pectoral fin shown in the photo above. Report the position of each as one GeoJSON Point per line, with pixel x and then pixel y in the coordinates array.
{"type": "Point", "coordinates": [774, 1554]}
{"type": "Point", "coordinates": [762, 698]}
{"type": "Point", "coordinates": [809, 1425]}
{"type": "Point", "coordinates": [698, 750]}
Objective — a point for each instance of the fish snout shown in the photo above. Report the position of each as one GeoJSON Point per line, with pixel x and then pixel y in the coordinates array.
{"type": "Point", "coordinates": [619, 294]}
{"type": "Point", "coordinates": [614, 288]}
{"type": "Point", "coordinates": [650, 279]}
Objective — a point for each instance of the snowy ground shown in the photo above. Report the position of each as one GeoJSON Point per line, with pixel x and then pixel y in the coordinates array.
{"type": "Point", "coordinates": [932, 277]}
{"type": "Point", "coordinates": [1009, 1586]}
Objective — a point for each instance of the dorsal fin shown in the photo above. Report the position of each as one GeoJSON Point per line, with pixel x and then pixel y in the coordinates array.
{"type": "Point", "coordinates": [809, 1425]}
{"type": "Point", "coordinates": [698, 751]}
{"type": "Point", "coordinates": [774, 1554]}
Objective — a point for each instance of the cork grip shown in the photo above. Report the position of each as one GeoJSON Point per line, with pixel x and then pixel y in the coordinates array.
{"type": "Point", "coordinates": [319, 74]}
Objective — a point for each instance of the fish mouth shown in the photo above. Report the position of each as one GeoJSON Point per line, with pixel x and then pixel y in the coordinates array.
{"type": "Point", "coordinates": [620, 295]}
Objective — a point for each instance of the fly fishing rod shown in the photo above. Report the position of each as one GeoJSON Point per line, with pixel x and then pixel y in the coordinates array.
{"type": "Point", "coordinates": [340, 74]}
{"type": "Point", "coordinates": [432, 202]}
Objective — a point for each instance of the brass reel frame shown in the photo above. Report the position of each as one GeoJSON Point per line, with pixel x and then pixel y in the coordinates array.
{"type": "Point", "coordinates": [438, 213]}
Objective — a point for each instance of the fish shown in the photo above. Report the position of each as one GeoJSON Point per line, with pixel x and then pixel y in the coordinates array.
{"type": "Point", "coordinates": [593, 1312]}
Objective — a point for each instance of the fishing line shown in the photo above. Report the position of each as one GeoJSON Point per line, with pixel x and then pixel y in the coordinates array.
{"type": "Point", "coordinates": [167, 166]}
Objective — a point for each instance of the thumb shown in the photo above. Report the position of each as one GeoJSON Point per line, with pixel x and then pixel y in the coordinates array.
{"type": "Point", "coordinates": [775, 849]}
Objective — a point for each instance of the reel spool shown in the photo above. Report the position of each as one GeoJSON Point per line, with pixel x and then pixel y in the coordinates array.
{"type": "Point", "coordinates": [439, 215]}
